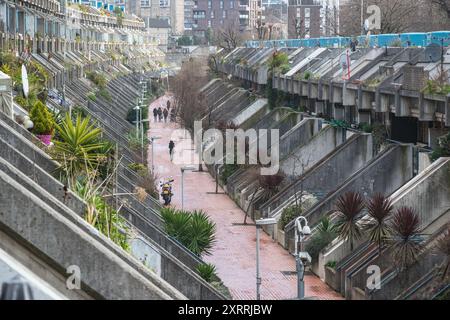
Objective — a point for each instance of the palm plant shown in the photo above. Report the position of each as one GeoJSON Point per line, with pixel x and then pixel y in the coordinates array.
{"type": "Point", "coordinates": [443, 247]}
{"type": "Point", "coordinates": [207, 271]}
{"type": "Point", "coordinates": [193, 229]}
{"type": "Point", "coordinates": [406, 239]}
{"type": "Point", "coordinates": [202, 233]}
{"type": "Point", "coordinates": [80, 147]}
{"type": "Point", "coordinates": [349, 207]}
{"type": "Point", "coordinates": [325, 235]}
{"type": "Point", "coordinates": [270, 184]}
{"type": "Point", "coordinates": [379, 209]}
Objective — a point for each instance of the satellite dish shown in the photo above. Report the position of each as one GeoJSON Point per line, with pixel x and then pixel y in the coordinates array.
{"type": "Point", "coordinates": [433, 52]}
{"type": "Point", "coordinates": [25, 84]}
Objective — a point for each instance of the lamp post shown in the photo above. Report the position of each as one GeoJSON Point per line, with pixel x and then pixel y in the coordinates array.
{"type": "Point", "coordinates": [183, 169]}
{"type": "Point", "coordinates": [152, 139]}
{"type": "Point", "coordinates": [137, 108]}
{"type": "Point", "coordinates": [259, 224]}
{"type": "Point", "coordinates": [300, 257]}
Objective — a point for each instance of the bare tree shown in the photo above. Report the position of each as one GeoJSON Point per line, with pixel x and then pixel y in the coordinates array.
{"type": "Point", "coordinates": [189, 102]}
{"type": "Point", "coordinates": [229, 37]}
{"type": "Point", "coordinates": [397, 16]}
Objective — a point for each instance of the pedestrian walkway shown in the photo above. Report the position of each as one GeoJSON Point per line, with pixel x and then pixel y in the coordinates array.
{"type": "Point", "coordinates": [234, 254]}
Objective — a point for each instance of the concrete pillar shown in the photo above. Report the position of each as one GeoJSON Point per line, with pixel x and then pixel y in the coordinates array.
{"type": "Point", "coordinates": [336, 94]}
{"type": "Point", "coordinates": [348, 96]}
{"type": "Point", "coordinates": [427, 109]}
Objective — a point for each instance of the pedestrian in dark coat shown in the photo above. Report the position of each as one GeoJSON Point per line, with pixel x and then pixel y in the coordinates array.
{"type": "Point", "coordinates": [165, 114]}
{"type": "Point", "coordinates": [155, 114]}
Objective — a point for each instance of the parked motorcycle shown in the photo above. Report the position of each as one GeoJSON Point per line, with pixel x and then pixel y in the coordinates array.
{"type": "Point", "coordinates": [166, 191]}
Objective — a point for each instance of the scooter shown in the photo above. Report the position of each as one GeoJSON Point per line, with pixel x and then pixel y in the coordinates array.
{"type": "Point", "coordinates": [166, 191]}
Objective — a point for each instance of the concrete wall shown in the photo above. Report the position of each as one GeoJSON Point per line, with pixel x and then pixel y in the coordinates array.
{"type": "Point", "coordinates": [306, 156]}
{"type": "Point", "coordinates": [62, 243]}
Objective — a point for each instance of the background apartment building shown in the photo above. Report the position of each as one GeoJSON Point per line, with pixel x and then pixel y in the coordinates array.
{"type": "Point", "coordinates": [304, 19]}
{"type": "Point", "coordinates": [216, 14]}
{"type": "Point", "coordinates": [148, 10]}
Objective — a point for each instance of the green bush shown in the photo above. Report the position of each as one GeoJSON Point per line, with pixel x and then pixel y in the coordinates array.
{"type": "Point", "coordinates": [442, 149]}
{"type": "Point", "coordinates": [323, 237]}
{"type": "Point", "coordinates": [193, 229]}
{"type": "Point", "coordinates": [207, 271]}
{"type": "Point", "coordinates": [331, 264]}
{"type": "Point", "coordinates": [104, 93]}
{"type": "Point", "coordinates": [289, 214]}
{"type": "Point", "coordinates": [42, 119]}
{"type": "Point", "coordinates": [137, 166]}
{"type": "Point", "coordinates": [227, 171]}
{"type": "Point", "coordinates": [91, 96]}
{"type": "Point", "coordinates": [98, 79]}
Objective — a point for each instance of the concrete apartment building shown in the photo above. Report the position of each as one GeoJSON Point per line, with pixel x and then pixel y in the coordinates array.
{"type": "Point", "coordinates": [171, 10]}
{"type": "Point", "coordinates": [304, 19]}
{"type": "Point", "coordinates": [220, 13]}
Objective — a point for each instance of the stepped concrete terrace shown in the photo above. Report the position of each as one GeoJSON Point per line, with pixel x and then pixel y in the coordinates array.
{"type": "Point", "coordinates": [170, 268]}
{"type": "Point", "coordinates": [427, 193]}
{"type": "Point", "coordinates": [387, 172]}
{"type": "Point", "coordinates": [323, 177]}
{"type": "Point", "coordinates": [382, 80]}
{"type": "Point", "coordinates": [243, 183]}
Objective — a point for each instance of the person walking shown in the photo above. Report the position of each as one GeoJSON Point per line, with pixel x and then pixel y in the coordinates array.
{"type": "Point", "coordinates": [168, 105]}
{"type": "Point", "coordinates": [171, 147]}
{"type": "Point", "coordinates": [155, 114]}
{"type": "Point", "coordinates": [165, 114]}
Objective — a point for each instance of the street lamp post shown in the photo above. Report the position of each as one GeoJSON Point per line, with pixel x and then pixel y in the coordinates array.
{"type": "Point", "coordinates": [259, 224]}
{"type": "Point", "coordinates": [152, 139]}
{"type": "Point", "coordinates": [183, 169]}
{"type": "Point", "coordinates": [300, 257]}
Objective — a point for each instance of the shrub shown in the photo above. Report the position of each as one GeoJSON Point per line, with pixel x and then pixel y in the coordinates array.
{"type": "Point", "coordinates": [91, 96]}
{"type": "Point", "coordinates": [42, 119]}
{"type": "Point", "coordinates": [322, 238]}
{"type": "Point", "coordinates": [80, 147]}
{"type": "Point", "coordinates": [104, 93]}
{"type": "Point", "coordinates": [227, 171]}
{"type": "Point", "coordinates": [443, 148]}
{"type": "Point", "coordinates": [331, 264]}
{"type": "Point", "coordinates": [193, 229]}
{"type": "Point", "coordinates": [289, 214]}
{"type": "Point", "coordinates": [207, 271]}
{"type": "Point", "coordinates": [136, 167]}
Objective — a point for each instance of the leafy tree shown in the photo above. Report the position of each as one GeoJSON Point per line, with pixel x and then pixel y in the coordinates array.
{"type": "Point", "coordinates": [184, 41]}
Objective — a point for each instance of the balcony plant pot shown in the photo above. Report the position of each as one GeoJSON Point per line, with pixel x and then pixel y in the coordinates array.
{"type": "Point", "coordinates": [45, 138]}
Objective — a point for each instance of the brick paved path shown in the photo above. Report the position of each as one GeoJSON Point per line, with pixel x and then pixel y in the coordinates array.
{"type": "Point", "coordinates": [234, 254]}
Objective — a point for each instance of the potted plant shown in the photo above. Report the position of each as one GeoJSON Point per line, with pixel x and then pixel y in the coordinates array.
{"type": "Point", "coordinates": [43, 122]}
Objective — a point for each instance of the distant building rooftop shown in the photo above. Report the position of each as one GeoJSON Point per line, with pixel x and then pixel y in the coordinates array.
{"type": "Point", "coordinates": [158, 23]}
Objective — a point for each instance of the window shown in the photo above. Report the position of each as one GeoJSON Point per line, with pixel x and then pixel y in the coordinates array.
{"type": "Point", "coordinates": [212, 14]}
{"type": "Point", "coordinates": [224, 14]}
{"type": "Point", "coordinates": [232, 4]}
{"type": "Point", "coordinates": [209, 23]}
{"type": "Point", "coordinates": [209, 4]}
{"type": "Point", "coordinates": [221, 4]}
